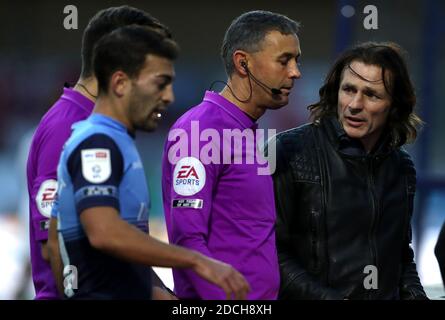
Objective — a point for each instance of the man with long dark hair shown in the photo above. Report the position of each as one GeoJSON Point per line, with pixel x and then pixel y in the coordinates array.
{"type": "Point", "coordinates": [345, 187]}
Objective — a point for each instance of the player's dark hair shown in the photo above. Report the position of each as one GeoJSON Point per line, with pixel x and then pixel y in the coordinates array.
{"type": "Point", "coordinates": [126, 48]}
{"type": "Point", "coordinates": [403, 122]}
{"type": "Point", "coordinates": [249, 30]}
{"type": "Point", "coordinates": [108, 20]}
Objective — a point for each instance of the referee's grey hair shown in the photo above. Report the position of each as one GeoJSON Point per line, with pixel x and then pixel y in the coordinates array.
{"type": "Point", "coordinates": [248, 31]}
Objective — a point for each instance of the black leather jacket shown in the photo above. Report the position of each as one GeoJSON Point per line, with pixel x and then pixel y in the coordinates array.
{"type": "Point", "coordinates": [339, 210]}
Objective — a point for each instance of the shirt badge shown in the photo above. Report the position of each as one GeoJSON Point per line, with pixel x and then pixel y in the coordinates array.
{"type": "Point", "coordinates": [96, 165]}
{"type": "Point", "coordinates": [189, 176]}
{"type": "Point", "coordinates": [46, 196]}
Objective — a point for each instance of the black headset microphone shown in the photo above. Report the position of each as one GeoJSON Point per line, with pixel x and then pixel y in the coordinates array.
{"type": "Point", "coordinates": [274, 91]}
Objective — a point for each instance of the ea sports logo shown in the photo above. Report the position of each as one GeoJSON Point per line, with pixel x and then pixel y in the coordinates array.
{"type": "Point", "coordinates": [45, 197]}
{"type": "Point", "coordinates": [189, 176]}
{"type": "Point", "coordinates": [187, 171]}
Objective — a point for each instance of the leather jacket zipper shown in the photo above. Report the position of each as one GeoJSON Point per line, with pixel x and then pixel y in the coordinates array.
{"type": "Point", "coordinates": [315, 239]}
{"type": "Point", "coordinates": [322, 259]}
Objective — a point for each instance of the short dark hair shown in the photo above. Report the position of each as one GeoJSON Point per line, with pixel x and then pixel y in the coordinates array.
{"type": "Point", "coordinates": [126, 49]}
{"type": "Point", "coordinates": [108, 20]}
{"type": "Point", "coordinates": [403, 122]}
{"type": "Point", "coordinates": [248, 31]}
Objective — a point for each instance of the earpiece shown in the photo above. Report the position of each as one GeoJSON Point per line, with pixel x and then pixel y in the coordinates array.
{"type": "Point", "coordinates": [273, 91]}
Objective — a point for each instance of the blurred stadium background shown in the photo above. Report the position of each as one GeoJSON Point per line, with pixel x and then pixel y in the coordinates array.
{"type": "Point", "coordinates": [37, 55]}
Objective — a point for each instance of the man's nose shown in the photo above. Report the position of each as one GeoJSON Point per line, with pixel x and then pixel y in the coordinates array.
{"type": "Point", "coordinates": [294, 72]}
{"type": "Point", "coordinates": [168, 97]}
{"type": "Point", "coordinates": [356, 104]}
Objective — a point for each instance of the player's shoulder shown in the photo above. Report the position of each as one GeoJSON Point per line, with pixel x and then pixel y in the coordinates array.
{"type": "Point", "coordinates": [296, 136]}
{"type": "Point", "coordinates": [91, 144]}
{"type": "Point", "coordinates": [97, 139]}
{"type": "Point", "coordinates": [406, 163]}
{"type": "Point", "coordinates": [59, 119]}
{"type": "Point", "coordinates": [202, 116]}
{"type": "Point", "coordinates": [86, 135]}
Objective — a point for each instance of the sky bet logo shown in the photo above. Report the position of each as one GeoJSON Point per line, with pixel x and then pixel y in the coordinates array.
{"type": "Point", "coordinates": [101, 154]}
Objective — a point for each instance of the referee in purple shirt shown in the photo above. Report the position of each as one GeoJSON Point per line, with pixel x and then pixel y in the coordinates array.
{"type": "Point", "coordinates": [74, 105]}
{"type": "Point", "coordinates": [215, 200]}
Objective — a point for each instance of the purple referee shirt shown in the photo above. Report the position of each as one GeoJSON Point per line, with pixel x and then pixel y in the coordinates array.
{"type": "Point", "coordinates": [222, 209]}
{"type": "Point", "coordinates": [54, 129]}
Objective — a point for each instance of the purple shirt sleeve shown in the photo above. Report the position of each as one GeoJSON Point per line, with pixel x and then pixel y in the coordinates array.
{"type": "Point", "coordinates": [190, 216]}
{"type": "Point", "coordinates": [43, 187]}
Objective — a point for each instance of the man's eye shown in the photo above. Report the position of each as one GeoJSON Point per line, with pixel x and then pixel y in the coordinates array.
{"type": "Point", "coordinates": [372, 95]}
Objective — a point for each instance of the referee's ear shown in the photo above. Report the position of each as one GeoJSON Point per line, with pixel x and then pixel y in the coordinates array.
{"type": "Point", "coordinates": [240, 61]}
{"type": "Point", "coordinates": [120, 84]}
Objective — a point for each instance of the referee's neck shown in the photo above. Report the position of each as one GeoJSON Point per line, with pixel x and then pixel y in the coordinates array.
{"type": "Point", "coordinates": [87, 87]}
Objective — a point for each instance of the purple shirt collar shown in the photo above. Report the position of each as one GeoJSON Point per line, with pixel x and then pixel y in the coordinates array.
{"type": "Point", "coordinates": [233, 110]}
{"type": "Point", "coordinates": [78, 98]}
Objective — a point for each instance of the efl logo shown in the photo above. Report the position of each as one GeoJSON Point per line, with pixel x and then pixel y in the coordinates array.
{"type": "Point", "coordinates": [96, 165]}
{"type": "Point", "coordinates": [187, 172]}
